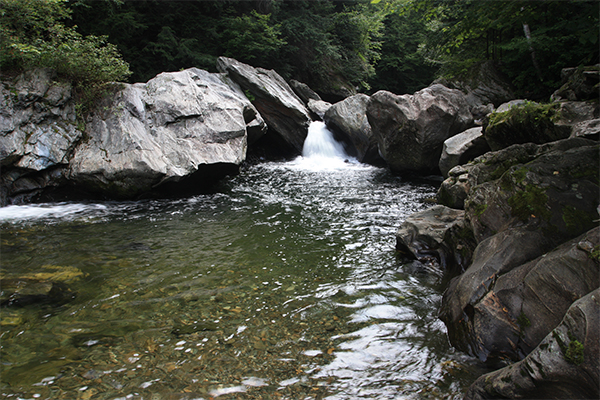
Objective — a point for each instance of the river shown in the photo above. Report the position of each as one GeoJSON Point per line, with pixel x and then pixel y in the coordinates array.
{"type": "Point", "coordinates": [282, 284]}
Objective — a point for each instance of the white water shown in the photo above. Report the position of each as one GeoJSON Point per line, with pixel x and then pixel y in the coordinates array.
{"type": "Point", "coordinates": [321, 152]}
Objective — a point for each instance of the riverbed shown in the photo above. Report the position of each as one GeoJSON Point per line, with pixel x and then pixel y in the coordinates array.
{"type": "Point", "coordinates": [282, 283]}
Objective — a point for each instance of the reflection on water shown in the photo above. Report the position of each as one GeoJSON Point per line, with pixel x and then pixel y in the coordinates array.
{"type": "Point", "coordinates": [283, 285]}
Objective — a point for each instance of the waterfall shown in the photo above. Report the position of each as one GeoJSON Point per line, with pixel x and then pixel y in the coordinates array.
{"type": "Point", "coordinates": [320, 143]}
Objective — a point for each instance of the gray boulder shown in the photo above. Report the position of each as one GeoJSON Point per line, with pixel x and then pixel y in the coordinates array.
{"type": "Point", "coordinates": [164, 131]}
{"type": "Point", "coordinates": [303, 91]}
{"type": "Point", "coordinates": [485, 86]}
{"type": "Point", "coordinates": [411, 129]}
{"type": "Point", "coordinates": [454, 189]}
{"type": "Point", "coordinates": [318, 107]}
{"type": "Point", "coordinates": [582, 83]}
{"type": "Point", "coordinates": [281, 108]}
{"type": "Point", "coordinates": [462, 148]}
{"type": "Point", "coordinates": [180, 131]}
{"type": "Point", "coordinates": [565, 365]}
{"type": "Point", "coordinates": [551, 187]}
{"type": "Point", "coordinates": [348, 119]}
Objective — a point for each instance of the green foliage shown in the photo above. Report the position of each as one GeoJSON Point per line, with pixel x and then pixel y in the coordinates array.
{"type": "Point", "coordinates": [250, 38]}
{"type": "Point", "coordinates": [462, 33]}
{"type": "Point", "coordinates": [32, 36]}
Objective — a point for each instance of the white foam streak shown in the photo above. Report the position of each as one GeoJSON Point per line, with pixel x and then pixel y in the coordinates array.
{"type": "Point", "coordinates": [30, 212]}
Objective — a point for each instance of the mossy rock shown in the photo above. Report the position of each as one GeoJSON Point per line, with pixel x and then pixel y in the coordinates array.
{"type": "Point", "coordinates": [529, 122]}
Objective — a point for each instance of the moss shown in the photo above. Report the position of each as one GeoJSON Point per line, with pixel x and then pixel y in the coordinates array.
{"type": "Point", "coordinates": [574, 353]}
{"type": "Point", "coordinates": [595, 254]}
{"type": "Point", "coordinates": [479, 209]}
{"type": "Point", "coordinates": [529, 202]}
{"type": "Point", "coordinates": [576, 220]}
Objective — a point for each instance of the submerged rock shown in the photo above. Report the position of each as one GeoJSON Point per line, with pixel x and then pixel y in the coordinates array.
{"type": "Point", "coordinates": [411, 129]}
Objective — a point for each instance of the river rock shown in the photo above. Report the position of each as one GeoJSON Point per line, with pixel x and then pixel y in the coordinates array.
{"type": "Point", "coordinates": [454, 189]}
{"type": "Point", "coordinates": [587, 129]}
{"type": "Point", "coordinates": [186, 125]}
{"type": "Point", "coordinates": [318, 107]}
{"type": "Point", "coordinates": [421, 235]}
{"type": "Point", "coordinates": [411, 129]}
{"type": "Point", "coordinates": [462, 148]}
{"type": "Point", "coordinates": [552, 187]}
{"type": "Point", "coordinates": [303, 91]}
{"type": "Point", "coordinates": [281, 108]}
{"type": "Point", "coordinates": [348, 120]}
{"type": "Point", "coordinates": [529, 122]}
{"type": "Point", "coordinates": [485, 86]}
{"type": "Point", "coordinates": [565, 365]}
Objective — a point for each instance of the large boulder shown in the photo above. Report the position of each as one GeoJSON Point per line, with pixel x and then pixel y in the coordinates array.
{"type": "Point", "coordinates": [180, 131]}
{"type": "Point", "coordinates": [283, 111]}
{"type": "Point", "coordinates": [504, 304]}
{"type": "Point", "coordinates": [528, 122]}
{"type": "Point", "coordinates": [348, 120]}
{"type": "Point", "coordinates": [462, 148]}
{"type": "Point", "coordinates": [167, 130]}
{"type": "Point", "coordinates": [411, 129]}
{"type": "Point", "coordinates": [565, 365]}
{"type": "Point", "coordinates": [38, 132]}
{"type": "Point", "coordinates": [523, 201]}
{"type": "Point", "coordinates": [487, 85]}
{"type": "Point", "coordinates": [552, 187]}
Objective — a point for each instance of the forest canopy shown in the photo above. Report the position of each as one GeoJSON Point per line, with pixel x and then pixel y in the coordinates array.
{"type": "Point", "coordinates": [335, 47]}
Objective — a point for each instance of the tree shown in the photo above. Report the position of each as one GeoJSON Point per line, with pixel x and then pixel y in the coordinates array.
{"type": "Point", "coordinates": [32, 35]}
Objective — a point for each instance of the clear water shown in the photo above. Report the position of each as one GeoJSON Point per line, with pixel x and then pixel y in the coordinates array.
{"type": "Point", "coordinates": [282, 285]}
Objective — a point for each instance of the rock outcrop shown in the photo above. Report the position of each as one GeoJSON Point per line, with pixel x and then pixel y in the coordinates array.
{"type": "Point", "coordinates": [411, 129]}
{"type": "Point", "coordinates": [462, 148]}
{"type": "Point", "coordinates": [348, 120]}
{"type": "Point", "coordinates": [564, 365]}
{"type": "Point", "coordinates": [178, 132]}
{"type": "Point", "coordinates": [523, 202]}
{"type": "Point", "coordinates": [582, 83]}
{"type": "Point", "coordinates": [283, 111]}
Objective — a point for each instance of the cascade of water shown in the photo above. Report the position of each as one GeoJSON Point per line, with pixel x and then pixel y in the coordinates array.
{"type": "Point", "coordinates": [320, 143]}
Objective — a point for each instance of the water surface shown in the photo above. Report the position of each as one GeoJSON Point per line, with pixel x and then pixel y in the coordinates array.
{"type": "Point", "coordinates": [284, 284]}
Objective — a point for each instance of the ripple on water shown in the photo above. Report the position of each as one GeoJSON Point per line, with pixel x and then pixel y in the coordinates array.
{"type": "Point", "coordinates": [283, 284]}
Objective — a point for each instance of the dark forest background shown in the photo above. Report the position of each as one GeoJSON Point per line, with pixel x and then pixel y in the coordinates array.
{"type": "Point", "coordinates": [360, 45]}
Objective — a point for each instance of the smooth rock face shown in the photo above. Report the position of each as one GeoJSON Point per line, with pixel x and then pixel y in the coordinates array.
{"type": "Point", "coordinates": [161, 132]}
{"type": "Point", "coordinates": [189, 126]}
{"type": "Point", "coordinates": [318, 107]}
{"type": "Point", "coordinates": [348, 119]}
{"type": "Point", "coordinates": [411, 129]}
{"type": "Point", "coordinates": [281, 108]}
{"type": "Point", "coordinates": [565, 365]}
{"type": "Point", "coordinates": [462, 148]}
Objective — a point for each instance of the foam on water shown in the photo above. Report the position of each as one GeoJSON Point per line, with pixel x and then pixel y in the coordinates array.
{"type": "Point", "coordinates": [17, 213]}
{"type": "Point", "coordinates": [321, 151]}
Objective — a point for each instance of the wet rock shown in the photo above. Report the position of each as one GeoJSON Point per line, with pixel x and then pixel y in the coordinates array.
{"type": "Point", "coordinates": [462, 148]}
{"type": "Point", "coordinates": [411, 129]}
{"type": "Point", "coordinates": [281, 108]}
{"type": "Point", "coordinates": [503, 306]}
{"type": "Point", "coordinates": [565, 365]}
{"type": "Point", "coordinates": [348, 119]}
{"type": "Point", "coordinates": [421, 235]}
